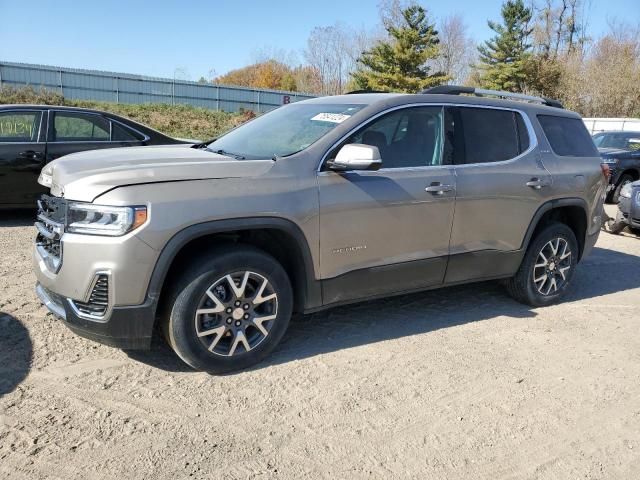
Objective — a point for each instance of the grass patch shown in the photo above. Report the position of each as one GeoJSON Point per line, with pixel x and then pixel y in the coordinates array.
{"type": "Point", "coordinates": [183, 121]}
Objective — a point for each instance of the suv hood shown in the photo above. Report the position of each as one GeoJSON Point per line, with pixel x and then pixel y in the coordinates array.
{"type": "Point", "coordinates": [86, 175]}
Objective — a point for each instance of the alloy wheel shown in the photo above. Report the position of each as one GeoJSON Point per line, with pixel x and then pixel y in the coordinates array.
{"type": "Point", "coordinates": [236, 313]}
{"type": "Point", "coordinates": [552, 266]}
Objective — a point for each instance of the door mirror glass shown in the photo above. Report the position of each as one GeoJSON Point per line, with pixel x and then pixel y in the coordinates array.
{"type": "Point", "coordinates": [355, 156]}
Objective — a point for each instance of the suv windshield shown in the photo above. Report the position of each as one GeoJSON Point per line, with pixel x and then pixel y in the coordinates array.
{"type": "Point", "coordinates": [625, 141]}
{"type": "Point", "coordinates": [283, 131]}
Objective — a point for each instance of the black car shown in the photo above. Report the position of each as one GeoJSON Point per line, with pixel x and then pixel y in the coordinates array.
{"type": "Point", "coordinates": [621, 151]}
{"type": "Point", "coordinates": [33, 135]}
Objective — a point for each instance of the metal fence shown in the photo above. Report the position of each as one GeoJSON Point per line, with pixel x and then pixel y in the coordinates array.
{"type": "Point", "coordinates": [101, 86]}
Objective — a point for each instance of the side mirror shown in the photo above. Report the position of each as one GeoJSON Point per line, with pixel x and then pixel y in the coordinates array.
{"type": "Point", "coordinates": [355, 156]}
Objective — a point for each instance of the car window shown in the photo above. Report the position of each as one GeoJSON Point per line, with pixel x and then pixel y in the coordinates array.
{"type": "Point", "coordinates": [80, 127]}
{"type": "Point", "coordinates": [283, 131]}
{"type": "Point", "coordinates": [490, 135]}
{"type": "Point", "coordinates": [19, 126]}
{"type": "Point", "coordinates": [633, 143]}
{"type": "Point", "coordinates": [122, 134]}
{"type": "Point", "coordinates": [568, 137]}
{"type": "Point", "coordinates": [409, 137]}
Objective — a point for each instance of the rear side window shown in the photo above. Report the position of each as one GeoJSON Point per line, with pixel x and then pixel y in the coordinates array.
{"type": "Point", "coordinates": [122, 134]}
{"type": "Point", "coordinates": [80, 127]}
{"type": "Point", "coordinates": [488, 135]}
{"type": "Point", "coordinates": [568, 137]}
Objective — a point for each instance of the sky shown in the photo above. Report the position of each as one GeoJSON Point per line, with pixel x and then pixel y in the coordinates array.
{"type": "Point", "coordinates": [190, 39]}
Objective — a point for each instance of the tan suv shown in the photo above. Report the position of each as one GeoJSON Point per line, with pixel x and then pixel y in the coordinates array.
{"type": "Point", "coordinates": [313, 205]}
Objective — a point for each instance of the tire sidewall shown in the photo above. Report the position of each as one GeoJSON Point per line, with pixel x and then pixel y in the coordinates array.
{"type": "Point", "coordinates": [181, 325]}
{"type": "Point", "coordinates": [554, 230]}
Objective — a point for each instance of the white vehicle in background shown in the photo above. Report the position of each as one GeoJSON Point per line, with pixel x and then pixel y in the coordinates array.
{"type": "Point", "coordinates": [596, 125]}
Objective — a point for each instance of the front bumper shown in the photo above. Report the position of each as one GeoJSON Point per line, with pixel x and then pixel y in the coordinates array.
{"type": "Point", "coordinates": [127, 327]}
{"type": "Point", "coordinates": [629, 209]}
{"type": "Point", "coordinates": [96, 284]}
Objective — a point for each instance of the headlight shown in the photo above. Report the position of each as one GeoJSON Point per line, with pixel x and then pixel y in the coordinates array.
{"type": "Point", "coordinates": [91, 219]}
{"type": "Point", "coordinates": [46, 176]}
{"type": "Point", "coordinates": [625, 191]}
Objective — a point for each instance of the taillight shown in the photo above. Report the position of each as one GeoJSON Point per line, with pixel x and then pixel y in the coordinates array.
{"type": "Point", "coordinates": [606, 171]}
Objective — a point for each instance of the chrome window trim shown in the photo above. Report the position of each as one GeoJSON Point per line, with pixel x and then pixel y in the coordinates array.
{"type": "Point", "coordinates": [533, 138]}
{"type": "Point", "coordinates": [27, 110]}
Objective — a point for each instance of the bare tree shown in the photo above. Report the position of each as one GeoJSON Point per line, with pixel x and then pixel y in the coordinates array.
{"type": "Point", "coordinates": [333, 52]}
{"type": "Point", "coordinates": [457, 50]}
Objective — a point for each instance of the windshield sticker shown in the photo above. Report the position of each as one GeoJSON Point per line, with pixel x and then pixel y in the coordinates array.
{"type": "Point", "coordinates": [330, 117]}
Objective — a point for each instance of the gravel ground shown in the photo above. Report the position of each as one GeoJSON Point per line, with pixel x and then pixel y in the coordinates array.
{"type": "Point", "coordinates": [457, 383]}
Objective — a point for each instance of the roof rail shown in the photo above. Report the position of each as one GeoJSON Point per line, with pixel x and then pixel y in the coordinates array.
{"type": "Point", "coordinates": [458, 90]}
{"type": "Point", "coordinates": [353, 92]}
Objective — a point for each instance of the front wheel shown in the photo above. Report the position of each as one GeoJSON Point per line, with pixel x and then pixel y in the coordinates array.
{"type": "Point", "coordinates": [229, 309]}
{"type": "Point", "coordinates": [547, 268]}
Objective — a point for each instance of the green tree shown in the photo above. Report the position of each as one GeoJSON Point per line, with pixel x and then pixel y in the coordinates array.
{"type": "Point", "coordinates": [401, 62]}
{"type": "Point", "coordinates": [503, 59]}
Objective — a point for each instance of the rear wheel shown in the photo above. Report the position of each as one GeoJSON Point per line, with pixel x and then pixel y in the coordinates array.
{"type": "Point", "coordinates": [547, 268]}
{"type": "Point", "coordinates": [229, 310]}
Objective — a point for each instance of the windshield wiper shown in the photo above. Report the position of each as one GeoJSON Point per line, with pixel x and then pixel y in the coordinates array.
{"type": "Point", "coordinates": [237, 156]}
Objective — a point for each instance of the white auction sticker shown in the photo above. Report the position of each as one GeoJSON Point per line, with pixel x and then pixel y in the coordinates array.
{"type": "Point", "coordinates": [330, 117]}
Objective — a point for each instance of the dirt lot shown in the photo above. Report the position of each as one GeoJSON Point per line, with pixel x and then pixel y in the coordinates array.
{"type": "Point", "coordinates": [457, 383]}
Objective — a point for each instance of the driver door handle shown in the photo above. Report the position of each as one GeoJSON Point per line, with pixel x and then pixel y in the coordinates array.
{"type": "Point", "coordinates": [537, 183]}
{"type": "Point", "coordinates": [438, 188]}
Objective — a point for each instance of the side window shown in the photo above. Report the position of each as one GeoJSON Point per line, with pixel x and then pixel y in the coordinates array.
{"type": "Point", "coordinates": [409, 137]}
{"type": "Point", "coordinates": [632, 142]}
{"type": "Point", "coordinates": [79, 127]}
{"type": "Point", "coordinates": [567, 136]}
{"type": "Point", "coordinates": [490, 135]}
{"type": "Point", "coordinates": [19, 126]}
{"type": "Point", "coordinates": [122, 134]}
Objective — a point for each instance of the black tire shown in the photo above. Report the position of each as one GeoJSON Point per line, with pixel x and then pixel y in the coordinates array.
{"type": "Point", "coordinates": [614, 196]}
{"type": "Point", "coordinates": [522, 286]}
{"type": "Point", "coordinates": [187, 293]}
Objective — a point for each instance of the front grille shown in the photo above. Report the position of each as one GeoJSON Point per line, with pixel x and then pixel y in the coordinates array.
{"type": "Point", "coordinates": [50, 227]}
{"type": "Point", "coordinates": [98, 302]}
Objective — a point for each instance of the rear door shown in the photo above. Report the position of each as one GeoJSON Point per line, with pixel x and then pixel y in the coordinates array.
{"type": "Point", "coordinates": [22, 156]}
{"type": "Point", "coordinates": [71, 132]}
{"type": "Point", "coordinates": [501, 183]}
{"type": "Point", "coordinates": [388, 230]}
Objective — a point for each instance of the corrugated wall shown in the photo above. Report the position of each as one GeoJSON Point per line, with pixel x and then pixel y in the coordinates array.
{"type": "Point", "coordinates": [100, 86]}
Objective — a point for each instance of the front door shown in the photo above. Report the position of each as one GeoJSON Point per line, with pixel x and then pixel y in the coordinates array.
{"type": "Point", "coordinates": [388, 231]}
{"type": "Point", "coordinates": [22, 156]}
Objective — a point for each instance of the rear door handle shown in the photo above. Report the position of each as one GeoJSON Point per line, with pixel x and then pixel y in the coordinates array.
{"type": "Point", "coordinates": [31, 155]}
{"type": "Point", "coordinates": [438, 188]}
{"type": "Point", "coordinates": [537, 183]}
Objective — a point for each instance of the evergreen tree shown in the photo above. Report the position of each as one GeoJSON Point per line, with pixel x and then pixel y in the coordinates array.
{"type": "Point", "coordinates": [400, 63]}
{"type": "Point", "coordinates": [503, 59]}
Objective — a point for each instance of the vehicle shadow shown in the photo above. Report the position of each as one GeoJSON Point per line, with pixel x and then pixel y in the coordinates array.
{"type": "Point", "coordinates": [16, 353]}
{"type": "Point", "coordinates": [17, 218]}
{"type": "Point", "coordinates": [603, 272]}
